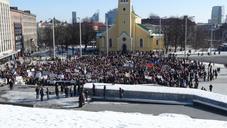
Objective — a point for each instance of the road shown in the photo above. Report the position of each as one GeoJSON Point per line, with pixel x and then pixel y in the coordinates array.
{"type": "Point", "coordinates": [154, 109]}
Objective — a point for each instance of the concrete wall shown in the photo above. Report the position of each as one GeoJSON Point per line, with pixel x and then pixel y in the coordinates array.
{"type": "Point", "coordinates": [140, 95]}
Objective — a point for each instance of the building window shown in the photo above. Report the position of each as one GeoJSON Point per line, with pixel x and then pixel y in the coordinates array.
{"type": "Point", "coordinates": [124, 39]}
{"type": "Point", "coordinates": [124, 0]}
{"type": "Point", "coordinates": [110, 43]}
{"type": "Point", "coordinates": [141, 43]}
{"type": "Point", "coordinates": [124, 9]}
{"type": "Point", "coordinates": [157, 42]}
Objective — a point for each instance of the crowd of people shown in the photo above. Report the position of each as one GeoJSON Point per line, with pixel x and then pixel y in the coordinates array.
{"type": "Point", "coordinates": [131, 68]}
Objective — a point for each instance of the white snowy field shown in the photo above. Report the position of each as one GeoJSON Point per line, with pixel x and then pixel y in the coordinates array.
{"type": "Point", "coordinates": [21, 117]}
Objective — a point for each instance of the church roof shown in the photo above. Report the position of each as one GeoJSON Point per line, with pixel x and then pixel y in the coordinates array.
{"type": "Point", "coordinates": [143, 27]}
{"type": "Point", "coordinates": [133, 12]}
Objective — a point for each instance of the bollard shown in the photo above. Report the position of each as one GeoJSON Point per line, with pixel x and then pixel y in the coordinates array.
{"type": "Point", "coordinates": [47, 92]}
{"type": "Point", "coordinates": [74, 90]}
{"type": "Point", "coordinates": [93, 90]}
{"type": "Point", "coordinates": [80, 100]}
{"type": "Point", "coordinates": [104, 92]}
{"type": "Point", "coordinates": [56, 91]}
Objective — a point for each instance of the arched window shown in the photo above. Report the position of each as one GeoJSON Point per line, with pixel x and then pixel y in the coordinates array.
{"type": "Point", "coordinates": [157, 42]}
{"type": "Point", "coordinates": [110, 43]}
{"type": "Point", "coordinates": [141, 43]}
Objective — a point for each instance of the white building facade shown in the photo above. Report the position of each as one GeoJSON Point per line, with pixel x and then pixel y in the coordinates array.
{"type": "Point", "coordinates": [6, 46]}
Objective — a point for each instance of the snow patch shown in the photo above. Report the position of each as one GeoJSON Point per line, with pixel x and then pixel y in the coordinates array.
{"type": "Point", "coordinates": [13, 116]}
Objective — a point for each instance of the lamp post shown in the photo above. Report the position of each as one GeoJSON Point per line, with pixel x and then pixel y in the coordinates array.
{"type": "Point", "coordinates": [213, 28]}
{"type": "Point", "coordinates": [186, 31]}
{"type": "Point", "coordinates": [107, 37]}
{"type": "Point", "coordinates": [80, 37]}
{"type": "Point", "coordinates": [53, 22]}
{"type": "Point", "coordinates": [160, 32]}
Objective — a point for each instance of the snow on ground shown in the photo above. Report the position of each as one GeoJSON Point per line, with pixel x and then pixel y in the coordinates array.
{"type": "Point", "coordinates": [219, 84]}
{"type": "Point", "coordinates": [21, 117]}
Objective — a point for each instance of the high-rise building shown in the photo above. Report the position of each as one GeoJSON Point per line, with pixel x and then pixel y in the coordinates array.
{"type": "Point", "coordinates": [24, 29]}
{"type": "Point", "coordinates": [6, 46]}
{"type": "Point", "coordinates": [74, 18]}
{"type": "Point", "coordinates": [111, 16]}
{"type": "Point", "coordinates": [95, 17]}
{"type": "Point", "coordinates": [226, 19]}
{"type": "Point", "coordinates": [217, 15]}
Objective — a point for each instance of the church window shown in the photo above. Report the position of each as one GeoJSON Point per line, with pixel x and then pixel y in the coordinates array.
{"type": "Point", "coordinates": [124, 39]}
{"type": "Point", "coordinates": [157, 42]}
{"type": "Point", "coordinates": [141, 43]}
{"type": "Point", "coordinates": [110, 43]}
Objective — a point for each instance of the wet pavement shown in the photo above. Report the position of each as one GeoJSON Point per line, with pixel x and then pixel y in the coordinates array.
{"type": "Point", "coordinates": [154, 109]}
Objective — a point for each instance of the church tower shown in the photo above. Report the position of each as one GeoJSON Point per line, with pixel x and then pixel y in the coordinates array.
{"type": "Point", "coordinates": [128, 34]}
{"type": "Point", "coordinates": [124, 21]}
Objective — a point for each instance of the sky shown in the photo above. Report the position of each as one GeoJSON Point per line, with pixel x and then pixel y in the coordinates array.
{"type": "Point", "coordinates": [62, 9]}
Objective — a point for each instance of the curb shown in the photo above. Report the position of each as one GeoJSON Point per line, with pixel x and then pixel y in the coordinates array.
{"type": "Point", "coordinates": [18, 104]}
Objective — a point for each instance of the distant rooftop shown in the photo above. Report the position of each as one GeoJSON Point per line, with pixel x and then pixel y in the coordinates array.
{"type": "Point", "coordinates": [21, 11]}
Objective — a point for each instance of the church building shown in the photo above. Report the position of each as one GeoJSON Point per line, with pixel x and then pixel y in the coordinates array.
{"type": "Point", "coordinates": [128, 34]}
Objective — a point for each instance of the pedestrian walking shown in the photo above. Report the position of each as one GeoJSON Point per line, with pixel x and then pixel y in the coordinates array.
{"type": "Point", "coordinates": [57, 91]}
{"type": "Point", "coordinates": [93, 89]}
{"type": "Point", "coordinates": [41, 94]}
{"type": "Point", "coordinates": [74, 90]}
{"type": "Point", "coordinates": [211, 88]}
{"type": "Point", "coordinates": [37, 92]}
{"type": "Point", "coordinates": [11, 84]}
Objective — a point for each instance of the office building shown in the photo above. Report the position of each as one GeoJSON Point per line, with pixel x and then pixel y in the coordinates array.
{"type": "Point", "coordinates": [24, 30]}
{"type": "Point", "coordinates": [217, 15]}
{"type": "Point", "coordinates": [74, 17]}
{"type": "Point", "coordinates": [95, 17]}
{"type": "Point", "coordinates": [6, 46]}
{"type": "Point", "coordinates": [111, 17]}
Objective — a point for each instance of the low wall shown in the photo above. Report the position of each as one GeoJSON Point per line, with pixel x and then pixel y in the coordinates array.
{"type": "Point", "coordinates": [149, 92]}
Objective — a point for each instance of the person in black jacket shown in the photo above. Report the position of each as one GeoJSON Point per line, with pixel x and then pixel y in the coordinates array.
{"type": "Point", "coordinates": [37, 92]}
{"type": "Point", "coordinates": [57, 91]}
{"type": "Point", "coordinates": [41, 94]}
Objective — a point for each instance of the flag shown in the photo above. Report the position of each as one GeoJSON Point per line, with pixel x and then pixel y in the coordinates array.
{"type": "Point", "coordinates": [149, 65]}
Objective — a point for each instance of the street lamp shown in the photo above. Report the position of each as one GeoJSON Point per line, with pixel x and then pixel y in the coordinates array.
{"type": "Point", "coordinates": [186, 31]}
{"type": "Point", "coordinates": [107, 37]}
{"type": "Point", "coordinates": [211, 43]}
{"type": "Point", "coordinates": [53, 28]}
{"type": "Point", "coordinates": [160, 32]}
{"type": "Point", "coordinates": [80, 37]}
{"type": "Point", "coordinates": [213, 28]}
